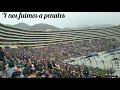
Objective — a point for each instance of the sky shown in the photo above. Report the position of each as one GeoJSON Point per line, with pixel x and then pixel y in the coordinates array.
{"type": "Point", "coordinates": [71, 19]}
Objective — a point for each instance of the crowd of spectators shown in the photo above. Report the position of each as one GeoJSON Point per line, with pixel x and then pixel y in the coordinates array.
{"type": "Point", "coordinates": [48, 61]}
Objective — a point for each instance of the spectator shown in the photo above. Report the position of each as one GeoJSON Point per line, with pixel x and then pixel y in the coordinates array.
{"type": "Point", "coordinates": [2, 71]}
{"type": "Point", "coordinates": [15, 75]}
{"type": "Point", "coordinates": [2, 55]}
{"type": "Point", "coordinates": [10, 70]}
{"type": "Point", "coordinates": [33, 74]}
{"type": "Point", "coordinates": [39, 75]}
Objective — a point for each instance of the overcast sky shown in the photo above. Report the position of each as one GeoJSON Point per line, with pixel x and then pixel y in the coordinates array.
{"type": "Point", "coordinates": [71, 18]}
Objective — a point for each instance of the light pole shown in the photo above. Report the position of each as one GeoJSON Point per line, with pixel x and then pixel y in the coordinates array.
{"type": "Point", "coordinates": [103, 64]}
{"type": "Point", "coordinates": [112, 67]}
{"type": "Point", "coordinates": [81, 61]}
{"type": "Point", "coordinates": [96, 62]}
{"type": "Point", "coordinates": [85, 61]}
{"type": "Point", "coordinates": [91, 63]}
{"type": "Point", "coordinates": [111, 63]}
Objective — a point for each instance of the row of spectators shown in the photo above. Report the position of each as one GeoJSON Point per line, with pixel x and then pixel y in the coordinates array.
{"type": "Point", "coordinates": [64, 51]}
{"type": "Point", "coordinates": [47, 69]}
{"type": "Point", "coordinates": [41, 69]}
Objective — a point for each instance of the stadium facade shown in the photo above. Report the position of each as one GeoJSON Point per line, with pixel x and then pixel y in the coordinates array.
{"type": "Point", "coordinates": [16, 37]}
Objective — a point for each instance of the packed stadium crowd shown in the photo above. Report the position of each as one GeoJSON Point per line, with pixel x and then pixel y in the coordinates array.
{"type": "Point", "coordinates": [48, 61]}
